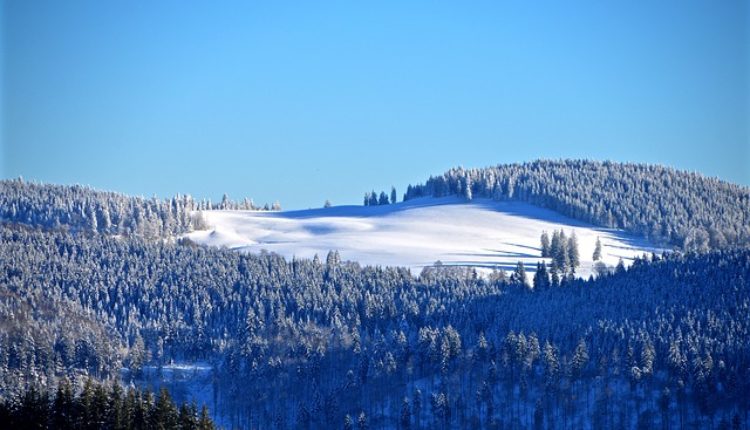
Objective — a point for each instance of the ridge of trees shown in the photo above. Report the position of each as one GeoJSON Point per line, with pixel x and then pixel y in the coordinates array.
{"type": "Point", "coordinates": [373, 199]}
{"type": "Point", "coordinates": [81, 208]}
{"type": "Point", "coordinates": [100, 406]}
{"type": "Point", "coordinates": [672, 207]}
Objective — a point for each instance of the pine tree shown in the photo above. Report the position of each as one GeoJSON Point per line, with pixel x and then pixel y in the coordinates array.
{"type": "Point", "coordinates": [620, 268]}
{"type": "Point", "coordinates": [116, 409]}
{"type": "Point", "coordinates": [538, 416]}
{"type": "Point", "coordinates": [597, 250]}
{"type": "Point", "coordinates": [63, 408]}
{"type": "Point", "coordinates": [303, 417]}
{"type": "Point", "coordinates": [405, 415]}
{"type": "Point", "coordinates": [362, 421]}
{"type": "Point", "coordinates": [519, 275]}
{"type": "Point", "coordinates": [648, 355]}
{"type": "Point", "coordinates": [545, 245]}
{"type": "Point", "coordinates": [573, 256]}
{"type": "Point", "coordinates": [205, 422]}
{"type": "Point", "coordinates": [563, 257]}
{"type": "Point", "coordinates": [383, 199]}
{"type": "Point", "coordinates": [417, 408]}
{"type": "Point", "coordinates": [555, 247]}
{"type": "Point", "coordinates": [164, 414]}
{"type": "Point", "coordinates": [93, 224]}
{"type": "Point", "coordinates": [541, 278]}
{"type": "Point", "coordinates": [137, 356]}
{"type": "Point", "coordinates": [551, 366]}
{"type": "Point", "coordinates": [394, 197]}
{"type": "Point", "coordinates": [580, 358]}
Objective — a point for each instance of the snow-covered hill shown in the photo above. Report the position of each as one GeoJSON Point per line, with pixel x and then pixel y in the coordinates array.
{"type": "Point", "coordinates": [483, 233]}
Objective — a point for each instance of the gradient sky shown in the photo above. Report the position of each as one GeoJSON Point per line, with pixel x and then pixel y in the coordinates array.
{"type": "Point", "coordinates": [307, 101]}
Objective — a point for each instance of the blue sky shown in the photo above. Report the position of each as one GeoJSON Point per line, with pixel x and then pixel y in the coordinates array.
{"type": "Point", "coordinates": [306, 101]}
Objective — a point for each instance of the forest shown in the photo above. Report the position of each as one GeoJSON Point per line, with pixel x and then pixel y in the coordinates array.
{"type": "Point", "coordinates": [326, 343]}
{"type": "Point", "coordinates": [99, 406]}
{"type": "Point", "coordinates": [673, 207]}
{"type": "Point", "coordinates": [81, 208]}
{"type": "Point", "coordinates": [304, 343]}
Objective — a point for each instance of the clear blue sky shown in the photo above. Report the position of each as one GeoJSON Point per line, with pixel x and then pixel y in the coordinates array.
{"type": "Point", "coordinates": [303, 101]}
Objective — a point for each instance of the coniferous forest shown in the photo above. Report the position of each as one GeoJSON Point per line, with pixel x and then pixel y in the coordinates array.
{"type": "Point", "coordinates": [673, 207]}
{"type": "Point", "coordinates": [97, 292]}
{"type": "Point", "coordinates": [98, 406]}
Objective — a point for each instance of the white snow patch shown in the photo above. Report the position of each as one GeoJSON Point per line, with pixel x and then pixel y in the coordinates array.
{"type": "Point", "coordinates": [482, 233]}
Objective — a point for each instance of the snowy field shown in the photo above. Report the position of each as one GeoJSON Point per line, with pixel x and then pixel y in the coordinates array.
{"type": "Point", "coordinates": [483, 233]}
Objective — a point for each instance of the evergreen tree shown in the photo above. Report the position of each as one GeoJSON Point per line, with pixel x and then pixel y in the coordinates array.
{"type": "Point", "coordinates": [573, 256]}
{"type": "Point", "coordinates": [580, 358]}
{"type": "Point", "coordinates": [164, 414]}
{"type": "Point", "coordinates": [541, 278]}
{"type": "Point", "coordinates": [555, 249]}
{"type": "Point", "coordinates": [383, 200]}
{"type": "Point", "coordinates": [405, 415]}
{"type": "Point", "coordinates": [519, 275]}
{"type": "Point", "coordinates": [362, 421]}
{"type": "Point", "coordinates": [545, 245]}
{"type": "Point", "coordinates": [597, 250]}
{"type": "Point", "coordinates": [205, 422]}
{"type": "Point", "coordinates": [63, 409]}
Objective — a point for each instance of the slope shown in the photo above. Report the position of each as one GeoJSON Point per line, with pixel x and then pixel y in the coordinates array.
{"type": "Point", "coordinates": [483, 233]}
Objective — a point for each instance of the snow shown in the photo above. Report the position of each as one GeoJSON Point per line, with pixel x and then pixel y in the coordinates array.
{"type": "Point", "coordinates": [482, 233]}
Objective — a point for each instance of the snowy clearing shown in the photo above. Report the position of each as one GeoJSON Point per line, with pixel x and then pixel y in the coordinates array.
{"type": "Point", "coordinates": [482, 233]}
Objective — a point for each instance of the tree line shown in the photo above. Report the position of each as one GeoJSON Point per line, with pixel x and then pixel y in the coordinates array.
{"type": "Point", "coordinates": [373, 199]}
{"type": "Point", "coordinates": [668, 206]}
{"type": "Point", "coordinates": [100, 406]}
{"type": "Point", "coordinates": [80, 208]}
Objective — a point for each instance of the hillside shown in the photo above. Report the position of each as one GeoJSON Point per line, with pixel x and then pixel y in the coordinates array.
{"type": "Point", "coordinates": [312, 342]}
{"type": "Point", "coordinates": [668, 206]}
{"type": "Point", "coordinates": [484, 233]}
{"type": "Point", "coordinates": [306, 342]}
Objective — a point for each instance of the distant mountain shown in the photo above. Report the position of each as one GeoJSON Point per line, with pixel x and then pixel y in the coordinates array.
{"type": "Point", "coordinates": [673, 207]}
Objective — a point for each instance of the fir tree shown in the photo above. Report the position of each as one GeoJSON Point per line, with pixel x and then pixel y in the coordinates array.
{"type": "Point", "coordinates": [597, 250]}
{"type": "Point", "coordinates": [519, 275]}
{"type": "Point", "coordinates": [541, 278]}
{"type": "Point", "coordinates": [545, 244]}
{"type": "Point", "coordinates": [405, 415]}
{"type": "Point", "coordinates": [573, 256]}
